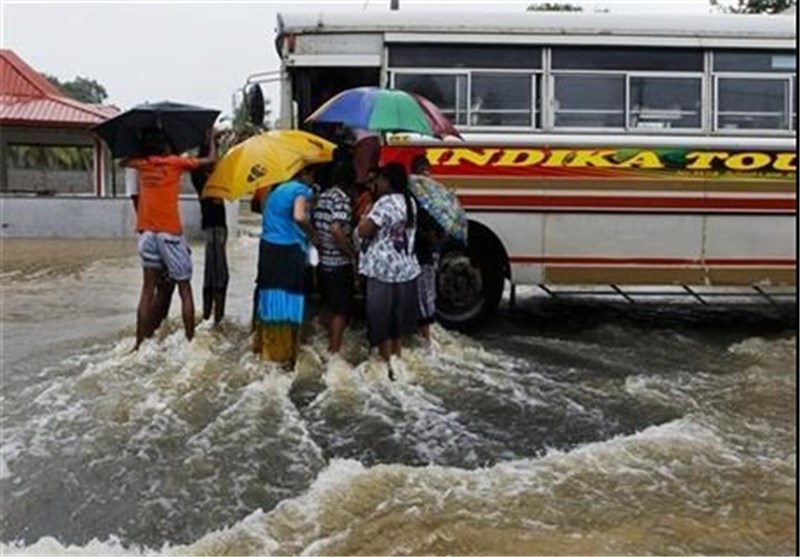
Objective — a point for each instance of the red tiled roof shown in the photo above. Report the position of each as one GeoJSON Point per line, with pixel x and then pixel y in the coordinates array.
{"type": "Point", "coordinates": [27, 98]}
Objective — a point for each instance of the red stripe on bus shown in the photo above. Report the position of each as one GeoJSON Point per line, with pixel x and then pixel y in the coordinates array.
{"type": "Point", "coordinates": [625, 202]}
{"type": "Point", "coordinates": [721, 262]}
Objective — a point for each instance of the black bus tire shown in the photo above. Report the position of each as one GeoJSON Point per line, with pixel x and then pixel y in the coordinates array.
{"type": "Point", "coordinates": [470, 281]}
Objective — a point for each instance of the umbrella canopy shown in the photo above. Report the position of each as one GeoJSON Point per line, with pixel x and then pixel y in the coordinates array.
{"type": "Point", "coordinates": [184, 125]}
{"type": "Point", "coordinates": [384, 110]}
{"type": "Point", "coordinates": [441, 203]}
{"type": "Point", "coordinates": [265, 159]}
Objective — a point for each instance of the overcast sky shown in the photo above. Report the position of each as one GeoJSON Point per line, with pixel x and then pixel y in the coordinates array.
{"type": "Point", "coordinates": [198, 52]}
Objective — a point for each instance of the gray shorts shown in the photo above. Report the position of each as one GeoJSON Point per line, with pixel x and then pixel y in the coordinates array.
{"type": "Point", "coordinates": [391, 310]}
{"type": "Point", "coordinates": [161, 250]}
{"type": "Point", "coordinates": [216, 270]}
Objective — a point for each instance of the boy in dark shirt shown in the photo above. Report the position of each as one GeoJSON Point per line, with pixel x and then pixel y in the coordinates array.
{"type": "Point", "coordinates": [215, 229]}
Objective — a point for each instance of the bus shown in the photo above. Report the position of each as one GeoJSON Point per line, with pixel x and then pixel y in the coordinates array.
{"type": "Point", "coordinates": [597, 149]}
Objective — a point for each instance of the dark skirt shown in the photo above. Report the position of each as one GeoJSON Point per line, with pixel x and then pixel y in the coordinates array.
{"type": "Point", "coordinates": [391, 310]}
{"type": "Point", "coordinates": [281, 267]}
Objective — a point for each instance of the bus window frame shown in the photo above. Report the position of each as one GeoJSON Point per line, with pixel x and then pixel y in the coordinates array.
{"type": "Point", "coordinates": [785, 77]}
{"type": "Point", "coordinates": [467, 73]}
{"type": "Point", "coordinates": [543, 110]}
{"type": "Point", "coordinates": [666, 75]}
{"type": "Point", "coordinates": [587, 129]}
{"type": "Point", "coordinates": [393, 73]}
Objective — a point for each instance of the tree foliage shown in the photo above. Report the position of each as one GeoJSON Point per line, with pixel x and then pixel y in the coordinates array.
{"type": "Point", "coordinates": [554, 7]}
{"type": "Point", "coordinates": [753, 6]}
{"type": "Point", "coordinates": [81, 89]}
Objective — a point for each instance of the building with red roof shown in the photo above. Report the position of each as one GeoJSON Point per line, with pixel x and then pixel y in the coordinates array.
{"type": "Point", "coordinates": [33, 112]}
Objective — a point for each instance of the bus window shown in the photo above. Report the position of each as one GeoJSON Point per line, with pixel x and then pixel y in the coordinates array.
{"type": "Point", "coordinates": [753, 90]}
{"type": "Point", "coordinates": [493, 85]}
{"type": "Point", "coordinates": [447, 91]}
{"type": "Point", "coordinates": [501, 99]}
{"type": "Point", "coordinates": [465, 56]}
{"type": "Point", "coordinates": [632, 59]}
{"type": "Point", "coordinates": [589, 101]}
{"type": "Point", "coordinates": [755, 61]}
{"type": "Point", "coordinates": [757, 104]}
{"type": "Point", "coordinates": [312, 86]}
{"type": "Point", "coordinates": [665, 102]}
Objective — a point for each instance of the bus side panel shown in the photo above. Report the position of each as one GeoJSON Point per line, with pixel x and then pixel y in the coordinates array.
{"type": "Point", "coordinates": [519, 233]}
{"type": "Point", "coordinates": [751, 249]}
{"type": "Point", "coordinates": [605, 248]}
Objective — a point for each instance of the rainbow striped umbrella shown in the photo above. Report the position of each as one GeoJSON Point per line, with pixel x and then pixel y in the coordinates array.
{"type": "Point", "coordinates": [384, 110]}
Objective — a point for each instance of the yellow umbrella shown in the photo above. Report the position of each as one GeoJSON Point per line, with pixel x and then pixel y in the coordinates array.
{"type": "Point", "coordinates": [265, 159]}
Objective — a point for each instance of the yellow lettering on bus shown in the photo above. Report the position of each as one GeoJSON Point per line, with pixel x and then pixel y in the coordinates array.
{"type": "Point", "coordinates": [786, 162]}
{"type": "Point", "coordinates": [520, 157]}
{"type": "Point", "coordinates": [644, 159]}
{"type": "Point", "coordinates": [704, 159]}
{"type": "Point", "coordinates": [435, 155]}
{"type": "Point", "coordinates": [557, 157]}
{"type": "Point", "coordinates": [748, 161]}
{"type": "Point", "coordinates": [592, 158]}
{"type": "Point", "coordinates": [471, 155]}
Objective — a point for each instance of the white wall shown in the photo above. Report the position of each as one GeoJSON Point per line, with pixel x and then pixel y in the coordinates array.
{"type": "Point", "coordinates": [89, 217]}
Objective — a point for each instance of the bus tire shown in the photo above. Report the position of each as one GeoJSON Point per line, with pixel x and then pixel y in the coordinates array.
{"type": "Point", "coordinates": [470, 280]}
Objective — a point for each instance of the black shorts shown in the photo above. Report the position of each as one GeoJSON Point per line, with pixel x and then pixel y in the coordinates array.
{"type": "Point", "coordinates": [337, 287]}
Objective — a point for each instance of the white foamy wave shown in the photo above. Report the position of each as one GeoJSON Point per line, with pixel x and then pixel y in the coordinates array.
{"type": "Point", "coordinates": [48, 546]}
{"type": "Point", "coordinates": [773, 351]}
{"type": "Point", "coordinates": [390, 509]}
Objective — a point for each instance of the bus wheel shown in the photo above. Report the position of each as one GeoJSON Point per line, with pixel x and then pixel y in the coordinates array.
{"type": "Point", "coordinates": [469, 283]}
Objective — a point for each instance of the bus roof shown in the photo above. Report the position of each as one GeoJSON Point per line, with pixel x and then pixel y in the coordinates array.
{"type": "Point", "coordinates": [733, 26]}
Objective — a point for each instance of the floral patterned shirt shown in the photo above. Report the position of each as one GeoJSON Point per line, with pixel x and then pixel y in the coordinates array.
{"type": "Point", "coordinates": [389, 255]}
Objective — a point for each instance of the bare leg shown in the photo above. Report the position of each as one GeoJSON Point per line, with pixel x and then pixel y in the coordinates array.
{"type": "Point", "coordinates": [187, 307]}
{"type": "Point", "coordinates": [385, 350]}
{"type": "Point", "coordinates": [397, 346]}
{"type": "Point", "coordinates": [424, 331]}
{"type": "Point", "coordinates": [144, 314]}
{"type": "Point", "coordinates": [336, 328]}
{"type": "Point", "coordinates": [163, 298]}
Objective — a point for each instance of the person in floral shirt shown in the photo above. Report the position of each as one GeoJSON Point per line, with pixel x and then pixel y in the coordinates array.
{"type": "Point", "coordinates": [388, 261]}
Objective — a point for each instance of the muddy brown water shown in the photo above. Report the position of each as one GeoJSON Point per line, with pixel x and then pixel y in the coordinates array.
{"type": "Point", "coordinates": [573, 427]}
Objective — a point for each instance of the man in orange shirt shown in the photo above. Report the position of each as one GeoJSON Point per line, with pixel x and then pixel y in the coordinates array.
{"type": "Point", "coordinates": [161, 241]}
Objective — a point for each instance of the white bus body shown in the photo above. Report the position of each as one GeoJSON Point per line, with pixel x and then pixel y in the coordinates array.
{"type": "Point", "coordinates": [597, 148]}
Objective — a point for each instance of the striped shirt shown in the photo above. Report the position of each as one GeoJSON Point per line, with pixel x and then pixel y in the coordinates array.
{"type": "Point", "coordinates": [333, 206]}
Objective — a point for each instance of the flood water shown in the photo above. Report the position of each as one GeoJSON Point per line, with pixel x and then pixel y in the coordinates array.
{"type": "Point", "coordinates": [571, 427]}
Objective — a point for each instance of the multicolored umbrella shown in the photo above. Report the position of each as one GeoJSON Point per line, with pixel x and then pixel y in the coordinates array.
{"type": "Point", "coordinates": [441, 203]}
{"type": "Point", "coordinates": [265, 159]}
{"type": "Point", "coordinates": [384, 110]}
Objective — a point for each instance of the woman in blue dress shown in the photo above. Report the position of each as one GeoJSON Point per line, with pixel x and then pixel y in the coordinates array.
{"type": "Point", "coordinates": [280, 300]}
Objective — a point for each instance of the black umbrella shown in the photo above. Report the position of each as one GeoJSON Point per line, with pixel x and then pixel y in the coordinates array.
{"type": "Point", "coordinates": [185, 125]}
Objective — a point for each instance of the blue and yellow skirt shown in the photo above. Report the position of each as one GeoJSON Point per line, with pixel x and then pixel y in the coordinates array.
{"type": "Point", "coordinates": [280, 301]}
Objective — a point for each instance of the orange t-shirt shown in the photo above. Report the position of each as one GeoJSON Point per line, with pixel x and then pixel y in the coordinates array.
{"type": "Point", "coordinates": [159, 183]}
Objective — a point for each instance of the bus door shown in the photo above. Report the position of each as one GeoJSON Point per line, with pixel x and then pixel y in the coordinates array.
{"type": "Point", "coordinates": [312, 86]}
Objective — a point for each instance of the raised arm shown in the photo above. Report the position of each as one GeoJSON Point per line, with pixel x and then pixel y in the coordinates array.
{"type": "Point", "coordinates": [211, 158]}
